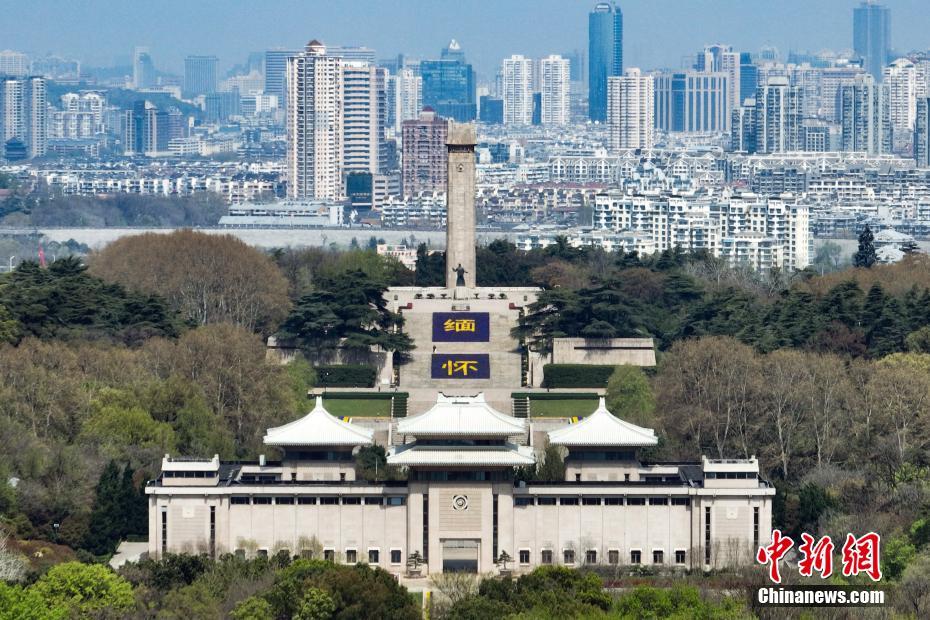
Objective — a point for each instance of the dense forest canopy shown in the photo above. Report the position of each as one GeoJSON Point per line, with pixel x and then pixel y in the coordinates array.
{"type": "Point", "coordinates": [824, 377]}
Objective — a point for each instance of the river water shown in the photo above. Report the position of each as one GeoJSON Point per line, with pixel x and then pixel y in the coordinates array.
{"type": "Point", "coordinates": [96, 238]}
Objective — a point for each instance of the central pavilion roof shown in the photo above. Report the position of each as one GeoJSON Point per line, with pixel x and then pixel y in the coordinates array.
{"type": "Point", "coordinates": [507, 455]}
{"type": "Point", "coordinates": [602, 428]}
{"type": "Point", "coordinates": [462, 416]}
{"type": "Point", "coordinates": [318, 428]}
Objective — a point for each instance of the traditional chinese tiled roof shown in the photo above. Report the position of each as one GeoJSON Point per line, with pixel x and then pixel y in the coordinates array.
{"type": "Point", "coordinates": [508, 455]}
{"type": "Point", "coordinates": [462, 416]}
{"type": "Point", "coordinates": [602, 428]}
{"type": "Point", "coordinates": [318, 428]}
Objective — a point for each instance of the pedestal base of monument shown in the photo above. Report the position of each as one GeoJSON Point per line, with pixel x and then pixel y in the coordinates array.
{"type": "Point", "coordinates": [463, 336]}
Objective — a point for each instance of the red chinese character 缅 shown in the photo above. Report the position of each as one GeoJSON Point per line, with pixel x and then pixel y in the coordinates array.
{"type": "Point", "coordinates": [861, 555]}
{"type": "Point", "coordinates": [773, 553]}
{"type": "Point", "coordinates": [817, 557]}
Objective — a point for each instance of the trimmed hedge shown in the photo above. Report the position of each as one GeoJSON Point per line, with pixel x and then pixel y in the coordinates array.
{"type": "Point", "coordinates": [363, 395]}
{"type": "Point", "coordinates": [346, 375]}
{"type": "Point", "coordinates": [576, 375]}
{"type": "Point", "coordinates": [556, 395]}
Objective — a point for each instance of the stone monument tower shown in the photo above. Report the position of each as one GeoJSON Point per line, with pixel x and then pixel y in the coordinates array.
{"type": "Point", "coordinates": [460, 207]}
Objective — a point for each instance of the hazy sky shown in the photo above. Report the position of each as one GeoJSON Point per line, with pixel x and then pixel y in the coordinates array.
{"type": "Point", "coordinates": [658, 33]}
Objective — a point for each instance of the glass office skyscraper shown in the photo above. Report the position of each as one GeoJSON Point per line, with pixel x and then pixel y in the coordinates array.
{"type": "Point", "coordinates": [872, 37]}
{"type": "Point", "coordinates": [605, 55]}
{"type": "Point", "coordinates": [449, 85]}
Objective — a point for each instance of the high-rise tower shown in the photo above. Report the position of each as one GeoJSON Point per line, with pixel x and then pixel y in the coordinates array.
{"type": "Point", "coordinates": [314, 124]}
{"type": "Point", "coordinates": [200, 75]}
{"type": "Point", "coordinates": [872, 36]}
{"type": "Point", "coordinates": [605, 55]}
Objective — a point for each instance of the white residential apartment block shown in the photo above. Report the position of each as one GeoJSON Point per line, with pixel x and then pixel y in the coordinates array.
{"type": "Point", "coordinates": [314, 124]}
{"type": "Point", "coordinates": [554, 77]}
{"type": "Point", "coordinates": [80, 116]}
{"type": "Point", "coordinates": [631, 110]}
{"type": "Point", "coordinates": [407, 89]}
{"type": "Point", "coordinates": [761, 232]}
{"type": "Point", "coordinates": [24, 113]}
{"type": "Point", "coordinates": [903, 82]}
{"type": "Point", "coordinates": [517, 90]}
{"type": "Point", "coordinates": [12, 63]}
{"type": "Point", "coordinates": [363, 117]}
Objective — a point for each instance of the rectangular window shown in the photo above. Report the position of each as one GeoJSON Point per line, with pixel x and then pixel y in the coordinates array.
{"type": "Point", "coordinates": [263, 553]}
{"type": "Point", "coordinates": [523, 501]}
{"type": "Point", "coordinates": [212, 531]}
{"type": "Point", "coordinates": [353, 501]}
{"type": "Point", "coordinates": [306, 501]}
{"type": "Point", "coordinates": [658, 501]}
{"type": "Point", "coordinates": [238, 500]}
{"type": "Point", "coordinates": [374, 501]}
{"type": "Point", "coordinates": [546, 556]}
{"type": "Point", "coordinates": [524, 556]}
{"type": "Point", "coordinates": [568, 501]}
{"type": "Point", "coordinates": [636, 556]}
{"type": "Point", "coordinates": [395, 556]}
{"type": "Point", "coordinates": [164, 529]}
{"type": "Point", "coordinates": [426, 529]}
{"type": "Point", "coordinates": [613, 556]}
{"type": "Point", "coordinates": [284, 500]}
{"type": "Point", "coordinates": [590, 501]}
{"type": "Point", "coordinates": [707, 535]}
{"type": "Point", "coordinates": [374, 556]}
{"type": "Point", "coordinates": [396, 500]}
{"type": "Point", "coordinates": [755, 527]}
{"type": "Point", "coordinates": [329, 501]}
{"type": "Point", "coordinates": [658, 556]}
{"type": "Point", "coordinates": [240, 553]}
{"type": "Point", "coordinates": [351, 556]}
{"type": "Point", "coordinates": [590, 556]}
{"type": "Point", "coordinates": [636, 501]}
{"type": "Point", "coordinates": [680, 556]}
{"type": "Point", "coordinates": [681, 501]}
{"type": "Point", "coordinates": [329, 555]}
{"type": "Point", "coordinates": [568, 556]}
{"type": "Point", "coordinates": [545, 501]}
{"type": "Point", "coordinates": [261, 500]}
{"type": "Point", "coordinates": [494, 526]}
{"type": "Point", "coordinates": [613, 501]}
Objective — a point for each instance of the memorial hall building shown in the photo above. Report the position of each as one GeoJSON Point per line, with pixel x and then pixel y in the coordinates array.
{"type": "Point", "coordinates": [466, 441]}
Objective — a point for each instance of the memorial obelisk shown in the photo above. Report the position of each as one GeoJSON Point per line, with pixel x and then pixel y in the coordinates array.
{"type": "Point", "coordinates": [460, 208]}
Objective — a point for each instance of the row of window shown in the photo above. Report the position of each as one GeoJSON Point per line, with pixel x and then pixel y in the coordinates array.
{"type": "Point", "coordinates": [351, 555]}
{"type": "Point", "coordinates": [590, 556]}
{"type": "Point", "coordinates": [189, 474]}
{"type": "Point", "coordinates": [730, 475]}
{"type": "Point", "coordinates": [391, 500]}
{"type": "Point", "coordinates": [597, 501]}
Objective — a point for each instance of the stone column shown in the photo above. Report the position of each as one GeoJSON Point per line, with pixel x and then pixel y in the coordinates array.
{"type": "Point", "coordinates": [460, 205]}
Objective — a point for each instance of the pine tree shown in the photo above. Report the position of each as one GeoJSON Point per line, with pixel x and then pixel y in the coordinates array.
{"type": "Point", "coordinates": [134, 504]}
{"type": "Point", "coordinates": [889, 331]}
{"type": "Point", "coordinates": [106, 518]}
{"type": "Point", "coordinates": [874, 305]}
{"type": "Point", "coordinates": [865, 255]}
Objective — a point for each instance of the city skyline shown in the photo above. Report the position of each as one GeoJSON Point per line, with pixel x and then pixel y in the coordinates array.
{"type": "Point", "coordinates": [230, 31]}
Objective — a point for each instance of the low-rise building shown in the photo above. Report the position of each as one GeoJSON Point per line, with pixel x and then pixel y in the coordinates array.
{"type": "Point", "coordinates": [461, 506]}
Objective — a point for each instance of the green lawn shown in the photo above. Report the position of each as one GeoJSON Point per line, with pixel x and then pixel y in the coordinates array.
{"type": "Point", "coordinates": [358, 407]}
{"type": "Point", "coordinates": [562, 408]}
